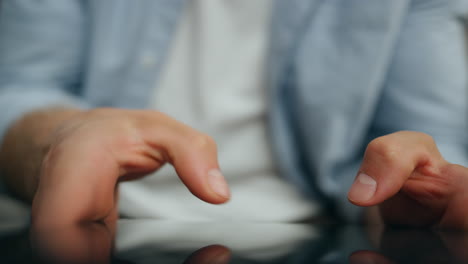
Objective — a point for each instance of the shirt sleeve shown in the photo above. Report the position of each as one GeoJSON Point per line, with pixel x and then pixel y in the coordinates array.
{"type": "Point", "coordinates": [41, 45]}
{"type": "Point", "coordinates": [426, 85]}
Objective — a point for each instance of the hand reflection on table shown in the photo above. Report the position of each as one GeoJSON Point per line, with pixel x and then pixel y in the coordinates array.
{"type": "Point", "coordinates": [93, 243]}
{"type": "Point", "coordinates": [147, 241]}
{"type": "Point", "coordinates": [404, 245]}
{"type": "Point", "coordinates": [74, 243]}
{"type": "Point", "coordinates": [143, 241]}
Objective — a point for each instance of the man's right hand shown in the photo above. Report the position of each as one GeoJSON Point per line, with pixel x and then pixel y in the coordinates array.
{"type": "Point", "coordinates": [91, 151]}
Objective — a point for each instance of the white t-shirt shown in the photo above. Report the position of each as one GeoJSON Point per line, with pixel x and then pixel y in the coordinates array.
{"type": "Point", "coordinates": [214, 81]}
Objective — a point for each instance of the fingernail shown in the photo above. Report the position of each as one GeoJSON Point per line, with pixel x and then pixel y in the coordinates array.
{"type": "Point", "coordinates": [362, 189]}
{"type": "Point", "coordinates": [218, 184]}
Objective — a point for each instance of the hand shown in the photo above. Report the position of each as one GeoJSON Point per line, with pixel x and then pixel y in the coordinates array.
{"type": "Point", "coordinates": [91, 152]}
{"type": "Point", "coordinates": [405, 175]}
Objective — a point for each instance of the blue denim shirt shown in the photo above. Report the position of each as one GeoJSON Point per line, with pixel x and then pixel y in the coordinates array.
{"type": "Point", "coordinates": [341, 72]}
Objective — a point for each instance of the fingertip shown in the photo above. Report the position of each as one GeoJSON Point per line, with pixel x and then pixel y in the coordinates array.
{"type": "Point", "coordinates": [218, 185]}
{"type": "Point", "coordinates": [362, 190]}
{"type": "Point", "coordinates": [217, 200]}
{"type": "Point", "coordinates": [208, 185]}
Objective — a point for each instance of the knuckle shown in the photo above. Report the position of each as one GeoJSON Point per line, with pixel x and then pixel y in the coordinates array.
{"type": "Point", "coordinates": [385, 148]}
{"type": "Point", "coordinates": [429, 145]}
{"type": "Point", "coordinates": [425, 143]}
{"type": "Point", "coordinates": [203, 141]}
{"type": "Point", "coordinates": [100, 111]}
{"type": "Point", "coordinates": [426, 138]}
{"type": "Point", "coordinates": [158, 115]}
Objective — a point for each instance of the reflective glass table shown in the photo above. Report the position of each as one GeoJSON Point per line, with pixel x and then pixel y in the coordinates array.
{"type": "Point", "coordinates": [150, 241]}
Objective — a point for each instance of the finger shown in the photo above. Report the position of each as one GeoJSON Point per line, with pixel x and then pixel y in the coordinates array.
{"type": "Point", "coordinates": [389, 161]}
{"type": "Point", "coordinates": [193, 155]}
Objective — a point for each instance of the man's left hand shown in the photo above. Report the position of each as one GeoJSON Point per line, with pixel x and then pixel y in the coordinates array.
{"type": "Point", "coordinates": [412, 184]}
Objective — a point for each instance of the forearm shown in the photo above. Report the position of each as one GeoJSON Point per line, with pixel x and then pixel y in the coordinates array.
{"type": "Point", "coordinates": [24, 146]}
